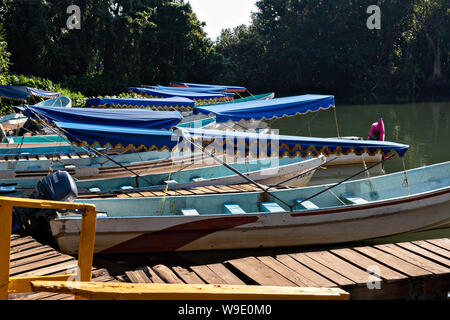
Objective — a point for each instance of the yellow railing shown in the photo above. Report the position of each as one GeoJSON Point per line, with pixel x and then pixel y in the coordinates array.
{"type": "Point", "coordinates": [86, 289]}
{"type": "Point", "coordinates": [85, 252]}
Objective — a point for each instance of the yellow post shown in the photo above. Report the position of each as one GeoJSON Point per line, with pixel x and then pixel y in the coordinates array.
{"type": "Point", "coordinates": [86, 247]}
{"type": "Point", "coordinates": [5, 247]}
{"type": "Point", "coordinates": [87, 241]}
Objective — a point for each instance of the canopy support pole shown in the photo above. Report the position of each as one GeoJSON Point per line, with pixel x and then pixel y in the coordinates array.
{"type": "Point", "coordinates": [265, 190]}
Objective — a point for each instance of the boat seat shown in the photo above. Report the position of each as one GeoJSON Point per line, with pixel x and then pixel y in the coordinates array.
{"type": "Point", "coordinates": [306, 204]}
{"type": "Point", "coordinates": [233, 208]}
{"type": "Point", "coordinates": [170, 182]}
{"type": "Point", "coordinates": [126, 188]}
{"type": "Point", "coordinates": [352, 199]}
{"type": "Point", "coordinates": [270, 207]}
{"type": "Point", "coordinates": [189, 212]}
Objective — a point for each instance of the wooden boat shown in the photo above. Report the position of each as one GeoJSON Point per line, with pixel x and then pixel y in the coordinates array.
{"type": "Point", "coordinates": [12, 121]}
{"type": "Point", "coordinates": [351, 211]}
{"type": "Point", "coordinates": [62, 102]}
{"type": "Point", "coordinates": [177, 173]}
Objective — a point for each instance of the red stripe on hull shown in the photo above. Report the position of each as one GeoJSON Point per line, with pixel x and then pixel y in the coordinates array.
{"type": "Point", "coordinates": [172, 238]}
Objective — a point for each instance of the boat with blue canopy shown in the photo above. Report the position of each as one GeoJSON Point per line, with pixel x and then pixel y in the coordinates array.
{"type": "Point", "coordinates": [268, 109]}
{"type": "Point", "coordinates": [198, 97]}
{"type": "Point", "coordinates": [220, 140]}
{"type": "Point", "coordinates": [199, 85]}
{"type": "Point", "coordinates": [166, 104]}
{"type": "Point", "coordinates": [187, 89]}
{"type": "Point", "coordinates": [22, 93]}
{"type": "Point", "coordinates": [132, 118]}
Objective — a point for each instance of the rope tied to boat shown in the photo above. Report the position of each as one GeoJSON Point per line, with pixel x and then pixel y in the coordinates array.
{"type": "Point", "coordinates": [405, 181]}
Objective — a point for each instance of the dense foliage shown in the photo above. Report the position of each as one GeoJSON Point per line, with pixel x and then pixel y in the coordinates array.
{"type": "Point", "coordinates": [295, 46]}
{"type": "Point", "coordinates": [290, 47]}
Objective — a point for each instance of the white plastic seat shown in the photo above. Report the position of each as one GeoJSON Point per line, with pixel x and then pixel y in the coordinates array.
{"type": "Point", "coordinates": [189, 212]}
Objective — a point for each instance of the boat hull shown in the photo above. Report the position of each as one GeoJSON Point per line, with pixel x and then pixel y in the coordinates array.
{"type": "Point", "coordinates": [238, 231]}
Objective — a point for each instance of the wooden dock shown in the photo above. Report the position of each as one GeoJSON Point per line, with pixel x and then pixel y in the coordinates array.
{"type": "Point", "coordinates": [31, 258]}
{"type": "Point", "coordinates": [406, 270]}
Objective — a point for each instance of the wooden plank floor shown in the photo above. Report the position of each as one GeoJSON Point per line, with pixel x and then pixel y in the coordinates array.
{"type": "Point", "coordinates": [405, 270]}
{"type": "Point", "coordinates": [31, 258]}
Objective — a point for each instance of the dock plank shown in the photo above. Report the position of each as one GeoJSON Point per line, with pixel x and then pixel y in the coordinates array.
{"type": "Point", "coordinates": [208, 275]}
{"type": "Point", "coordinates": [413, 258]}
{"type": "Point", "coordinates": [187, 276]}
{"type": "Point", "coordinates": [138, 276]}
{"type": "Point", "coordinates": [311, 278]}
{"type": "Point", "coordinates": [39, 265]}
{"type": "Point", "coordinates": [444, 242]}
{"type": "Point", "coordinates": [259, 272]}
{"type": "Point", "coordinates": [284, 271]}
{"type": "Point", "coordinates": [322, 269]}
{"type": "Point", "coordinates": [366, 263]}
{"type": "Point", "coordinates": [166, 274]}
{"type": "Point", "coordinates": [224, 273]}
{"type": "Point", "coordinates": [434, 248]}
{"type": "Point", "coordinates": [344, 268]}
{"type": "Point", "coordinates": [424, 252]}
{"type": "Point", "coordinates": [394, 262]}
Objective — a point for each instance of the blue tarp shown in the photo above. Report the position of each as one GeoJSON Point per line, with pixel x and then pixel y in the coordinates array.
{"type": "Point", "coordinates": [131, 118]}
{"type": "Point", "coordinates": [223, 141]}
{"type": "Point", "coordinates": [116, 136]}
{"type": "Point", "coordinates": [184, 89]}
{"type": "Point", "coordinates": [282, 145]}
{"type": "Point", "coordinates": [268, 109]}
{"type": "Point", "coordinates": [22, 93]}
{"type": "Point", "coordinates": [176, 103]}
{"type": "Point", "coordinates": [197, 96]}
{"type": "Point", "coordinates": [199, 85]}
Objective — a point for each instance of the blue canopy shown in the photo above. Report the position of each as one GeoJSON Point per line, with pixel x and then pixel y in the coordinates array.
{"type": "Point", "coordinates": [131, 118]}
{"type": "Point", "coordinates": [268, 109]}
{"type": "Point", "coordinates": [282, 145]}
{"type": "Point", "coordinates": [222, 141]}
{"type": "Point", "coordinates": [127, 138]}
{"type": "Point", "coordinates": [184, 89]}
{"type": "Point", "coordinates": [196, 96]}
{"type": "Point", "coordinates": [175, 103]}
{"type": "Point", "coordinates": [22, 93]}
{"type": "Point", "coordinates": [199, 85]}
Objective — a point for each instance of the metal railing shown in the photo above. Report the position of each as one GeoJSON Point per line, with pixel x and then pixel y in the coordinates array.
{"type": "Point", "coordinates": [85, 251]}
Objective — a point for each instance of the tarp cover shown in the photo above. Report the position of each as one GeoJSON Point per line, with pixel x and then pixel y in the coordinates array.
{"type": "Point", "coordinates": [282, 145]}
{"type": "Point", "coordinates": [197, 96]}
{"type": "Point", "coordinates": [22, 93]}
{"type": "Point", "coordinates": [268, 109]}
{"type": "Point", "coordinates": [132, 118]}
{"type": "Point", "coordinates": [199, 85]}
{"type": "Point", "coordinates": [174, 103]}
{"type": "Point", "coordinates": [223, 141]}
{"type": "Point", "coordinates": [190, 89]}
{"type": "Point", "coordinates": [116, 136]}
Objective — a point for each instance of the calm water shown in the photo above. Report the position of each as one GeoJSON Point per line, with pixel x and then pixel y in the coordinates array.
{"type": "Point", "coordinates": [422, 126]}
{"type": "Point", "coordinates": [425, 127]}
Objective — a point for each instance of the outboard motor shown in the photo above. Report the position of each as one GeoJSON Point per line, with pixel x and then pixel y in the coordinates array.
{"type": "Point", "coordinates": [58, 186]}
